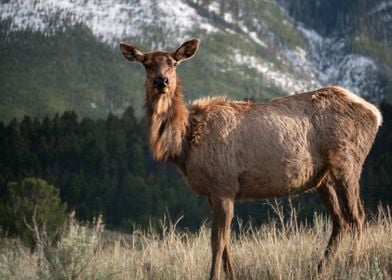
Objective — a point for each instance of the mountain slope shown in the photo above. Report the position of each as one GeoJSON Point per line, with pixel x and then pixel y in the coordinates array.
{"type": "Point", "coordinates": [59, 55]}
{"type": "Point", "coordinates": [69, 70]}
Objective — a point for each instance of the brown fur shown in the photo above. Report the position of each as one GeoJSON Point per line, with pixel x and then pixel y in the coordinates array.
{"type": "Point", "coordinates": [168, 122]}
{"type": "Point", "coordinates": [239, 150]}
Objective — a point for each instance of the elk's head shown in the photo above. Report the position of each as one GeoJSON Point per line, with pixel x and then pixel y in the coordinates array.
{"type": "Point", "coordinates": [160, 66]}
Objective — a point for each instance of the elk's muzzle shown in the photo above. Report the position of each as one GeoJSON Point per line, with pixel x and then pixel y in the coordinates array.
{"type": "Point", "coordinates": [160, 83]}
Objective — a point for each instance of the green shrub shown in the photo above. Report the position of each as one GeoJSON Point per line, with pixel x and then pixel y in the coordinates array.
{"type": "Point", "coordinates": [29, 206]}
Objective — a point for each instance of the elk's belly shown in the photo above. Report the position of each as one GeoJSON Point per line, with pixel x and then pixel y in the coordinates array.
{"type": "Point", "coordinates": [256, 184]}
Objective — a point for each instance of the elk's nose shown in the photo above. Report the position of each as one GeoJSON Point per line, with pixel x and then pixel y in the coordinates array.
{"type": "Point", "coordinates": [161, 82]}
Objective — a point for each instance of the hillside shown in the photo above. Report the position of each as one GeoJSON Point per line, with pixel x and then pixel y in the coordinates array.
{"type": "Point", "coordinates": [62, 55]}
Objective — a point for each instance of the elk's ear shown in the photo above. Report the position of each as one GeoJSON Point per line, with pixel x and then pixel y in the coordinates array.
{"type": "Point", "coordinates": [132, 53]}
{"type": "Point", "coordinates": [187, 50]}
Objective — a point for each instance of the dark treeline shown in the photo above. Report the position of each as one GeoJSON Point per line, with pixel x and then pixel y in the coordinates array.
{"type": "Point", "coordinates": [104, 167]}
{"type": "Point", "coordinates": [365, 17]}
{"type": "Point", "coordinates": [100, 166]}
{"type": "Point", "coordinates": [376, 180]}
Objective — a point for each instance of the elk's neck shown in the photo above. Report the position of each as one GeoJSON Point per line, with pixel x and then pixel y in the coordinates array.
{"type": "Point", "coordinates": [168, 123]}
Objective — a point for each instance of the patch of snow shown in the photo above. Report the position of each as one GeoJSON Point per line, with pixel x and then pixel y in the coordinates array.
{"type": "Point", "coordinates": [214, 7]}
{"type": "Point", "coordinates": [228, 17]}
{"type": "Point", "coordinates": [333, 65]}
{"type": "Point", "coordinates": [381, 7]}
{"type": "Point", "coordinates": [252, 35]}
{"type": "Point", "coordinates": [299, 61]}
{"type": "Point", "coordinates": [109, 20]}
{"type": "Point", "coordinates": [256, 39]}
{"type": "Point", "coordinates": [285, 81]}
{"type": "Point", "coordinates": [315, 39]}
{"type": "Point", "coordinates": [354, 72]}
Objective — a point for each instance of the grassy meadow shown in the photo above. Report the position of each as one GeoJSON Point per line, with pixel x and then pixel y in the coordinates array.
{"type": "Point", "coordinates": [281, 249]}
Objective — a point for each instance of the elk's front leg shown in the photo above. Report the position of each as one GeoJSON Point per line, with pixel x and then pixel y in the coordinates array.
{"type": "Point", "coordinates": [222, 214]}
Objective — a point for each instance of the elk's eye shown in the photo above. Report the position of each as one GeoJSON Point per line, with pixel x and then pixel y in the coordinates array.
{"type": "Point", "coordinates": [175, 63]}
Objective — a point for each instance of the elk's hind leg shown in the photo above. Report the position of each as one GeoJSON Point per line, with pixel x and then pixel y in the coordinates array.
{"type": "Point", "coordinates": [347, 190]}
{"type": "Point", "coordinates": [222, 214]}
{"type": "Point", "coordinates": [339, 225]}
{"type": "Point", "coordinates": [227, 266]}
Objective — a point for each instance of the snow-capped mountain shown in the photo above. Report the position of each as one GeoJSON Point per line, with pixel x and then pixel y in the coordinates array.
{"type": "Point", "coordinates": [109, 20]}
{"type": "Point", "coordinates": [249, 48]}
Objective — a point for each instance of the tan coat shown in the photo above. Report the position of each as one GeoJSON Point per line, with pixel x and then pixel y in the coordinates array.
{"type": "Point", "coordinates": [277, 148]}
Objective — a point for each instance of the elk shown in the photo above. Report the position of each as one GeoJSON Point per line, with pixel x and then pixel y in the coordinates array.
{"type": "Point", "coordinates": [231, 150]}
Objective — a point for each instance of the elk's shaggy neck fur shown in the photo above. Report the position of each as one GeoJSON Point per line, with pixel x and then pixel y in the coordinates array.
{"type": "Point", "coordinates": [168, 120]}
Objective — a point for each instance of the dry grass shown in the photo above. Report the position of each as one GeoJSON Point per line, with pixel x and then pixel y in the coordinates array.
{"type": "Point", "coordinates": [274, 251]}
